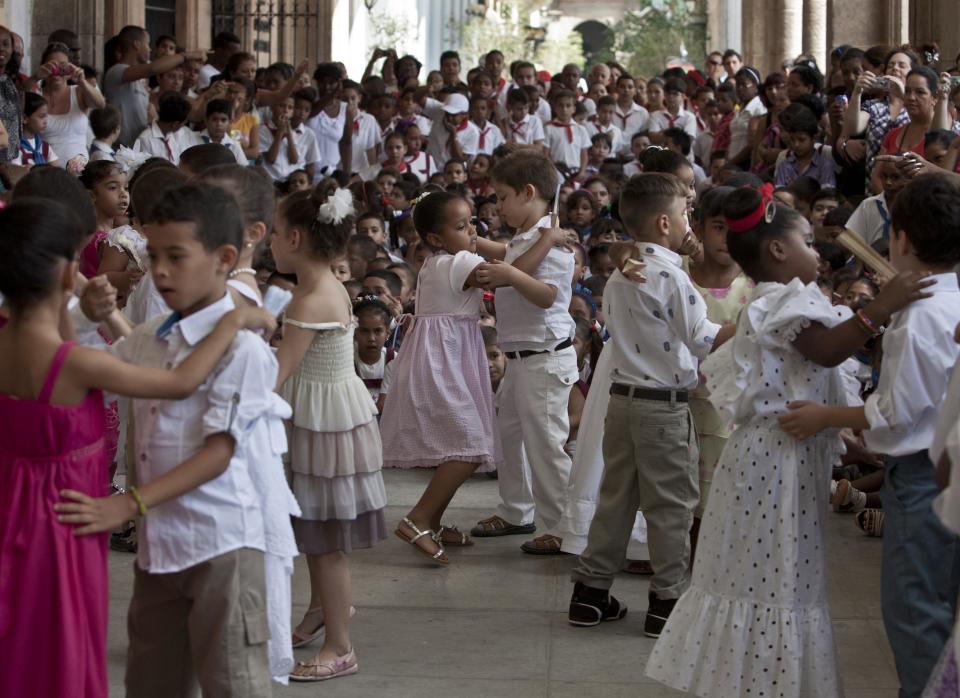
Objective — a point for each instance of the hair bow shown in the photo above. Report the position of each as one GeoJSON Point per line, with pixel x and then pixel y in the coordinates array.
{"type": "Point", "coordinates": [766, 211]}
{"type": "Point", "coordinates": [338, 206]}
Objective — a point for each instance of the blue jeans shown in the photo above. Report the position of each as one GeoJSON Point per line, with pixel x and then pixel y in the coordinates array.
{"type": "Point", "coordinates": [920, 573]}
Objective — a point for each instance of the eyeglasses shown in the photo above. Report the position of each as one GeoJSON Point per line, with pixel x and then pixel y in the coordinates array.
{"type": "Point", "coordinates": [714, 62]}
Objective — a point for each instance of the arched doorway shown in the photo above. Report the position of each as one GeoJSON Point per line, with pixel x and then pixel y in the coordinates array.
{"type": "Point", "coordinates": [596, 37]}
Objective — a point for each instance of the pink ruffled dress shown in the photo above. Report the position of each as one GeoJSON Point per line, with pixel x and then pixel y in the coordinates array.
{"type": "Point", "coordinates": [53, 585]}
{"type": "Point", "coordinates": [335, 451]}
{"type": "Point", "coordinates": [439, 407]}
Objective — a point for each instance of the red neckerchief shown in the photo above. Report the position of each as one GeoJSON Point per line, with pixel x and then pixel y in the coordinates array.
{"type": "Point", "coordinates": [426, 171]}
{"type": "Point", "coordinates": [671, 119]}
{"type": "Point", "coordinates": [402, 167]}
{"type": "Point", "coordinates": [356, 125]}
{"type": "Point", "coordinates": [518, 128]}
{"type": "Point", "coordinates": [463, 126]}
{"type": "Point", "coordinates": [483, 136]}
{"type": "Point", "coordinates": [624, 117]}
{"type": "Point", "coordinates": [500, 86]}
{"type": "Point", "coordinates": [481, 189]}
{"type": "Point", "coordinates": [568, 127]}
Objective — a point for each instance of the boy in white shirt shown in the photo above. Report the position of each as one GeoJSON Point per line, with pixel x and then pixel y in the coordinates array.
{"type": "Point", "coordinates": [567, 140]}
{"type": "Point", "coordinates": [650, 451]}
{"type": "Point", "coordinates": [631, 117]}
{"type": "Point", "coordinates": [366, 131]}
{"type": "Point", "coordinates": [105, 124]}
{"type": "Point", "coordinates": [871, 219]}
{"type": "Point", "coordinates": [167, 137]}
{"type": "Point", "coordinates": [491, 137]}
{"type": "Point", "coordinates": [673, 115]}
{"type": "Point", "coordinates": [639, 142]}
{"type": "Point", "coordinates": [217, 124]}
{"type": "Point", "coordinates": [536, 332]}
{"type": "Point", "coordinates": [920, 569]}
{"type": "Point", "coordinates": [287, 146]}
{"type": "Point", "coordinates": [453, 136]}
{"type": "Point", "coordinates": [522, 127]}
{"type": "Point", "coordinates": [418, 161]}
{"type": "Point", "coordinates": [198, 612]}
{"type": "Point", "coordinates": [603, 123]}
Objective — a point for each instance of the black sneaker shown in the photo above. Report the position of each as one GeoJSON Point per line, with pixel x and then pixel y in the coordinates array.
{"type": "Point", "coordinates": [124, 541]}
{"type": "Point", "coordinates": [590, 606]}
{"type": "Point", "coordinates": [657, 613]}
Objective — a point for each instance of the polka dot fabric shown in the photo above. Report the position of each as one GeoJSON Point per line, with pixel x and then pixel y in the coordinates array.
{"type": "Point", "coordinates": [755, 620]}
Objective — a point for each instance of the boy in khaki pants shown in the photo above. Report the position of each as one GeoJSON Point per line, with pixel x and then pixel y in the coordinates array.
{"type": "Point", "coordinates": [659, 333]}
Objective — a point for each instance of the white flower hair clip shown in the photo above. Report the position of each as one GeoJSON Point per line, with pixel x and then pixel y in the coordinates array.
{"type": "Point", "coordinates": [338, 206]}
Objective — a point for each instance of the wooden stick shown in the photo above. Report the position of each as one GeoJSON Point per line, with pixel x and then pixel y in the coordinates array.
{"type": "Point", "coordinates": [854, 244]}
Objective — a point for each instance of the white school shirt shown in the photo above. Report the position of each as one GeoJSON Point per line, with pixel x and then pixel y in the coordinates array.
{"type": "Point", "coordinates": [526, 132]}
{"type": "Point", "coordinates": [169, 147]}
{"type": "Point", "coordinates": [491, 137]}
{"type": "Point", "coordinates": [871, 219]}
{"type": "Point", "coordinates": [918, 357]}
{"type": "Point", "coordinates": [659, 330]}
{"type": "Point", "coordinates": [544, 112]}
{"type": "Point", "coordinates": [740, 124]}
{"type": "Point", "coordinates": [616, 135]}
{"type": "Point", "coordinates": [207, 73]}
{"type": "Point", "coordinates": [422, 165]}
{"type": "Point", "coordinates": [702, 145]}
{"type": "Point", "coordinates": [662, 120]}
{"type": "Point", "coordinates": [102, 151]}
{"type": "Point", "coordinates": [566, 142]}
{"type": "Point", "coordinates": [227, 142]}
{"type": "Point", "coordinates": [328, 131]}
{"type": "Point", "coordinates": [374, 371]}
{"type": "Point", "coordinates": [223, 514]}
{"type": "Point", "coordinates": [629, 122]}
{"type": "Point", "coordinates": [468, 135]}
{"type": "Point", "coordinates": [523, 326]}
{"type": "Point", "coordinates": [366, 135]}
{"type": "Point", "coordinates": [307, 151]}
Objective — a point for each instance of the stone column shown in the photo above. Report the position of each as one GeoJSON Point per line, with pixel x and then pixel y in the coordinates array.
{"type": "Point", "coordinates": [86, 18]}
{"type": "Point", "coordinates": [120, 13]}
{"type": "Point", "coordinates": [789, 38]}
{"type": "Point", "coordinates": [193, 23]}
{"type": "Point", "coordinates": [815, 31]}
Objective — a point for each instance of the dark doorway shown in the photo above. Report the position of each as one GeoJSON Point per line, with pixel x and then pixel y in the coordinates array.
{"type": "Point", "coordinates": [596, 37]}
{"type": "Point", "coordinates": [161, 18]}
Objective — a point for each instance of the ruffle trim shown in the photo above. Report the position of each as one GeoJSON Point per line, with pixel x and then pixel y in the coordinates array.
{"type": "Point", "coordinates": [329, 407]}
{"type": "Point", "coordinates": [722, 646]}
{"type": "Point", "coordinates": [336, 454]}
{"type": "Point", "coordinates": [340, 498]}
{"type": "Point", "coordinates": [485, 462]}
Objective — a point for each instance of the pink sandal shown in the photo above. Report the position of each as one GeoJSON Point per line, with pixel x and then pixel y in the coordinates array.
{"type": "Point", "coordinates": [345, 665]}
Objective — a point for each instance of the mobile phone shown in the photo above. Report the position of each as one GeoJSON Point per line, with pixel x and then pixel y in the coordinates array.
{"type": "Point", "coordinates": [954, 81]}
{"type": "Point", "coordinates": [842, 100]}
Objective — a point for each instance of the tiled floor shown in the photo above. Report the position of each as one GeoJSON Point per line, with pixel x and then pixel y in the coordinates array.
{"type": "Point", "coordinates": [494, 622]}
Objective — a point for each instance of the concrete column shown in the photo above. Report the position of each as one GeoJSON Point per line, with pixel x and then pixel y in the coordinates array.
{"type": "Point", "coordinates": [193, 23]}
{"type": "Point", "coordinates": [789, 37]}
{"type": "Point", "coordinates": [120, 13]}
{"type": "Point", "coordinates": [815, 31]}
{"type": "Point", "coordinates": [898, 22]}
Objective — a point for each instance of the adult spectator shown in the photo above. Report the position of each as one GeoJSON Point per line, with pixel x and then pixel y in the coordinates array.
{"type": "Point", "coordinates": [69, 39]}
{"type": "Point", "coordinates": [732, 63]}
{"type": "Point", "coordinates": [715, 71]}
{"type": "Point", "coordinates": [765, 130]}
{"type": "Point", "coordinates": [10, 111]}
{"type": "Point", "coordinates": [225, 44]}
{"type": "Point", "coordinates": [67, 105]}
{"type": "Point", "coordinates": [450, 69]}
{"type": "Point", "coordinates": [748, 87]}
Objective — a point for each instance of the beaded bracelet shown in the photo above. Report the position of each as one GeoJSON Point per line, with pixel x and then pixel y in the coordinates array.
{"type": "Point", "coordinates": [868, 325]}
{"type": "Point", "coordinates": [135, 493]}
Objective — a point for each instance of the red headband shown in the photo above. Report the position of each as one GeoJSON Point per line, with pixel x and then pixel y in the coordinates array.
{"type": "Point", "coordinates": [765, 211]}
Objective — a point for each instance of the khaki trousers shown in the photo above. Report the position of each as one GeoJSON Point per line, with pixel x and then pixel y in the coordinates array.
{"type": "Point", "coordinates": [650, 462]}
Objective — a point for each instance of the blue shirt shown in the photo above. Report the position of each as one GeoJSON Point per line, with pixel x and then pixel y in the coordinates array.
{"type": "Point", "coordinates": [820, 168]}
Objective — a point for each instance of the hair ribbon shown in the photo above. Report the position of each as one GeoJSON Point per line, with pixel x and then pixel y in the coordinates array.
{"type": "Point", "coordinates": [765, 211]}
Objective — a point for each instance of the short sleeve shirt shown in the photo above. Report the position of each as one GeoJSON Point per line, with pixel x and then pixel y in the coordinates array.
{"type": "Point", "coordinates": [131, 98]}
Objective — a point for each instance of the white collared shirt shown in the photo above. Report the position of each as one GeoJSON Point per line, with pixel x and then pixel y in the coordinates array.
{"type": "Point", "coordinates": [328, 131]}
{"type": "Point", "coordinates": [918, 357]}
{"type": "Point", "coordinates": [366, 135]}
{"type": "Point", "coordinates": [526, 132]}
{"type": "Point", "coordinates": [566, 143]}
{"type": "Point", "coordinates": [871, 219]}
{"type": "Point", "coordinates": [223, 514]}
{"type": "Point", "coordinates": [227, 142]}
{"type": "Point", "coordinates": [741, 123]}
{"type": "Point", "coordinates": [102, 151]}
{"type": "Point", "coordinates": [521, 325]}
{"type": "Point", "coordinates": [169, 146]}
{"type": "Point", "coordinates": [662, 120]}
{"type": "Point", "coordinates": [659, 330]}
{"type": "Point", "coordinates": [490, 138]}
{"type": "Point", "coordinates": [630, 121]}
{"type": "Point", "coordinates": [468, 136]}
{"type": "Point", "coordinates": [615, 134]}
{"type": "Point", "coordinates": [423, 166]}
{"type": "Point", "coordinates": [303, 140]}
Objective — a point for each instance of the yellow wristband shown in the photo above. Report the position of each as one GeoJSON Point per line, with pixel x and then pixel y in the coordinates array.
{"type": "Point", "coordinates": [135, 493]}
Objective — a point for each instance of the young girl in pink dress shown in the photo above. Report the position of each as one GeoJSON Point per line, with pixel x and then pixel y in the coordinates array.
{"type": "Point", "coordinates": [53, 581]}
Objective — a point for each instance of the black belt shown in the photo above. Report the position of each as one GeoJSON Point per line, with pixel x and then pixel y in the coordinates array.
{"type": "Point", "coordinates": [636, 393]}
{"type": "Point", "coordinates": [524, 354]}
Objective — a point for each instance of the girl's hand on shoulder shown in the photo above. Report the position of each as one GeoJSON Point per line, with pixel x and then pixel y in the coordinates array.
{"type": "Point", "coordinates": [804, 419]}
{"type": "Point", "coordinates": [565, 239]}
{"type": "Point", "coordinates": [902, 290]}
{"type": "Point", "coordinates": [93, 515]}
{"type": "Point", "coordinates": [494, 274]}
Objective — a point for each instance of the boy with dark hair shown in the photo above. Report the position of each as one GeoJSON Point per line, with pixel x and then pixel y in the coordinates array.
{"type": "Point", "coordinates": [603, 122]}
{"type": "Point", "coordinates": [523, 128]}
{"type": "Point", "coordinates": [673, 115]}
{"type": "Point", "coordinates": [727, 106]}
{"type": "Point", "coordinates": [804, 157]}
{"type": "Point", "coordinates": [491, 137]}
{"type": "Point", "coordinates": [123, 83]}
{"type": "Point", "coordinates": [216, 125]}
{"type": "Point", "coordinates": [567, 141]}
{"type": "Point", "coordinates": [286, 144]}
{"type": "Point", "coordinates": [168, 137]}
{"type": "Point", "coordinates": [536, 332]}
{"type": "Point", "coordinates": [920, 570]}
{"type": "Point", "coordinates": [197, 159]}
{"type": "Point", "coordinates": [660, 335]}
{"type": "Point", "coordinates": [630, 117]}
{"type": "Point", "coordinates": [198, 612]}
{"type": "Point", "coordinates": [105, 124]}
{"type": "Point", "coordinates": [361, 250]}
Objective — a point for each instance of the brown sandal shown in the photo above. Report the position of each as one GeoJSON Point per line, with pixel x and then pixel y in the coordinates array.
{"type": "Point", "coordinates": [452, 536]}
{"type": "Point", "coordinates": [544, 545]}
{"type": "Point", "coordinates": [439, 557]}
{"type": "Point", "coordinates": [495, 526]}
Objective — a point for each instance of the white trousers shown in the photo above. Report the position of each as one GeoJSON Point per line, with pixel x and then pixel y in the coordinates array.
{"type": "Point", "coordinates": [533, 419]}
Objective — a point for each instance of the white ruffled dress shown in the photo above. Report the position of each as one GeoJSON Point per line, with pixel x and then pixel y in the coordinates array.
{"type": "Point", "coordinates": [335, 451]}
{"type": "Point", "coordinates": [755, 619]}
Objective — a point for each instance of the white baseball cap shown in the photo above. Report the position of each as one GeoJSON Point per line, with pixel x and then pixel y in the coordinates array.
{"type": "Point", "coordinates": [456, 104]}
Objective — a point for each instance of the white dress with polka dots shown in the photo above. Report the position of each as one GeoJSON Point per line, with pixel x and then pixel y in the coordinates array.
{"type": "Point", "coordinates": [755, 620]}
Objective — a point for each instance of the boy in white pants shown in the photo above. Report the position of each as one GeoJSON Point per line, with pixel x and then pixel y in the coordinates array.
{"type": "Point", "coordinates": [535, 330]}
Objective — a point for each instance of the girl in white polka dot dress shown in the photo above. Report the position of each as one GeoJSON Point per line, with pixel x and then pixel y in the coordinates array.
{"type": "Point", "coordinates": [755, 620]}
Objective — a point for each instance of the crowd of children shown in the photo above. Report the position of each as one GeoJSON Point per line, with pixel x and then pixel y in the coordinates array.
{"type": "Point", "coordinates": [248, 290]}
